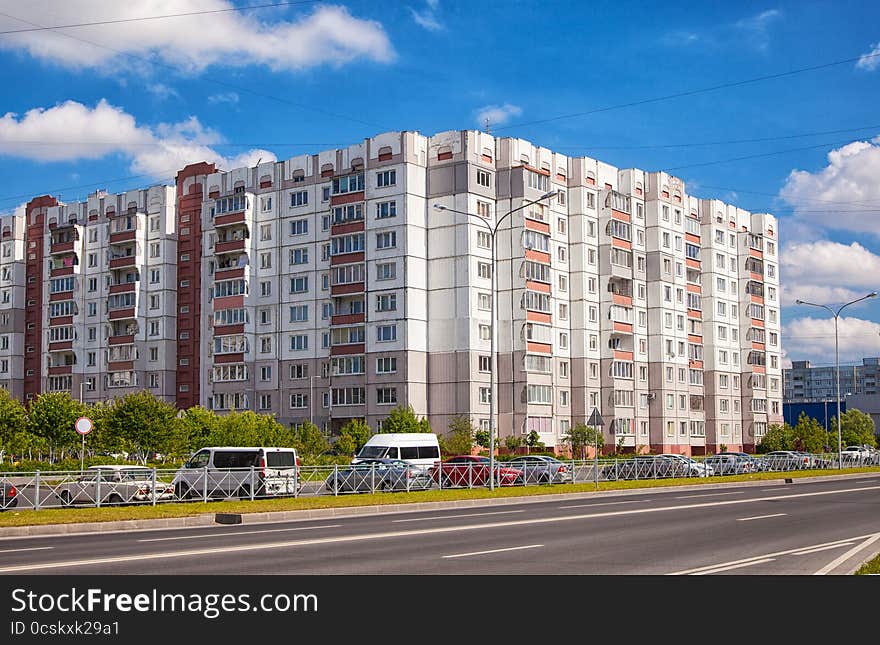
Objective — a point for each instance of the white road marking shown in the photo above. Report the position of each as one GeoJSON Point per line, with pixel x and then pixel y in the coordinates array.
{"type": "Point", "coordinates": [33, 548]}
{"type": "Point", "coordinates": [831, 566]}
{"type": "Point", "coordinates": [513, 548]}
{"type": "Point", "coordinates": [396, 534]}
{"type": "Point", "coordinates": [769, 555]}
{"type": "Point", "coordinates": [738, 492]}
{"type": "Point", "coordinates": [823, 548]}
{"type": "Point", "coordinates": [222, 534]}
{"type": "Point", "coordinates": [632, 501]}
{"type": "Point", "coordinates": [733, 566]}
{"type": "Point", "coordinates": [452, 517]}
{"type": "Point", "coordinates": [759, 517]}
{"type": "Point", "coordinates": [771, 490]}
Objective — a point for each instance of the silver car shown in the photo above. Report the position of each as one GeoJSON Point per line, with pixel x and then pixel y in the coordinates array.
{"type": "Point", "coordinates": [113, 484]}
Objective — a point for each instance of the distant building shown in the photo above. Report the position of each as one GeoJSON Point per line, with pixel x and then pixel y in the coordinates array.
{"type": "Point", "coordinates": [804, 383]}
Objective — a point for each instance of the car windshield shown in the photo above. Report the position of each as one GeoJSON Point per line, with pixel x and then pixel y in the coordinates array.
{"type": "Point", "coordinates": [373, 452]}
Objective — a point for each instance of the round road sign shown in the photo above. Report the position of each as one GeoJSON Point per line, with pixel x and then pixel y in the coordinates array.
{"type": "Point", "coordinates": [83, 425]}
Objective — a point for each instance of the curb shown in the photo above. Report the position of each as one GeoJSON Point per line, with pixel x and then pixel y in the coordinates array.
{"type": "Point", "coordinates": [257, 517]}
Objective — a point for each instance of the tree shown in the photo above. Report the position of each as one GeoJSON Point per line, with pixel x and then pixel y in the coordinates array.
{"type": "Point", "coordinates": [141, 423]}
{"type": "Point", "coordinates": [512, 442]}
{"type": "Point", "coordinates": [250, 429]}
{"type": "Point", "coordinates": [192, 430]}
{"type": "Point", "coordinates": [460, 438]}
{"type": "Point", "coordinates": [309, 441]}
{"type": "Point", "coordinates": [857, 429]}
{"type": "Point", "coordinates": [482, 438]}
{"type": "Point", "coordinates": [809, 435]}
{"type": "Point", "coordinates": [352, 437]}
{"type": "Point", "coordinates": [580, 436]}
{"type": "Point", "coordinates": [533, 441]}
{"type": "Point", "coordinates": [51, 417]}
{"type": "Point", "coordinates": [13, 421]}
{"type": "Point", "coordinates": [777, 437]}
{"type": "Point", "coordinates": [404, 419]}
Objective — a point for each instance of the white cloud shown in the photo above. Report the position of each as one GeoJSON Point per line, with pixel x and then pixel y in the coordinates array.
{"type": "Point", "coordinates": [427, 18]}
{"type": "Point", "coordinates": [752, 32]}
{"type": "Point", "coordinates": [497, 114]}
{"type": "Point", "coordinates": [871, 60]}
{"type": "Point", "coordinates": [826, 272]}
{"type": "Point", "coordinates": [755, 29]}
{"type": "Point", "coordinates": [813, 338]}
{"type": "Point", "coordinates": [845, 194]}
{"type": "Point", "coordinates": [327, 35]}
{"type": "Point", "coordinates": [224, 97]}
{"type": "Point", "coordinates": [162, 91]}
{"type": "Point", "coordinates": [72, 131]}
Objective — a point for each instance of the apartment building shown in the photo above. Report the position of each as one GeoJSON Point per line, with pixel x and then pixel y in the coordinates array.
{"type": "Point", "coordinates": [12, 302]}
{"type": "Point", "coordinates": [100, 295]}
{"type": "Point", "coordinates": [806, 383]}
{"type": "Point", "coordinates": [338, 285]}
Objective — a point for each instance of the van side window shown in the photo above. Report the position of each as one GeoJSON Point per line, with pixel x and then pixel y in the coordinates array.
{"type": "Point", "coordinates": [429, 452]}
{"type": "Point", "coordinates": [236, 459]}
{"type": "Point", "coordinates": [199, 460]}
{"type": "Point", "coordinates": [409, 452]}
{"type": "Point", "coordinates": [392, 453]}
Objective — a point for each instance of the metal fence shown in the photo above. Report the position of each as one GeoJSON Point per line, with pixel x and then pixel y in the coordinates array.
{"type": "Point", "coordinates": [131, 485]}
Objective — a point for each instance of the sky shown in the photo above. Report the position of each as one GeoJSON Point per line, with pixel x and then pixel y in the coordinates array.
{"type": "Point", "coordinates": [128, 101]}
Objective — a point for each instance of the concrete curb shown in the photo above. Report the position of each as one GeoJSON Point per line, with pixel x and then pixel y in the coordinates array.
{"type": "Point", "coordinates": [208, 519]}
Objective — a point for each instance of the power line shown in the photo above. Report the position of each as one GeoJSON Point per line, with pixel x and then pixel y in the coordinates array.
{"type": "Point", "coordinates": [711, 88]}
{"type": "Point", "coordinates": [757, 156]}
{"type": "Point", "coordinates": [159, 17]}
{"type": "Point", "coordinates": [240, 88]}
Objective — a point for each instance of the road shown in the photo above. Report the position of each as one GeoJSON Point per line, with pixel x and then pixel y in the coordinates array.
{"type": "Point", "coordinates": [802, 528]}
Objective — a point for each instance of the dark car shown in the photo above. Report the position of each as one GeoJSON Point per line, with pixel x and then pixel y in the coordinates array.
{"type": "Point", "coordinates": [542, 469]}
{"type": "Point", "coordinates": [8, 496]}
{"type": "Point", "coordinates": [377, 475]}
{"type": "Point", "coordinates": [470, 470]}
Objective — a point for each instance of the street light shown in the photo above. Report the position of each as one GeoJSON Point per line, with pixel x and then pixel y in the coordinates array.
{"type": "Point", "coordinates": [836, 315]}
{"type": "Point", "coordinates": [492, 379]}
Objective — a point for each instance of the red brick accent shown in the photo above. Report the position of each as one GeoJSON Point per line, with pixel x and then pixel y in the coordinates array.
{"type": "Point", "coordinates": [443, 156]}
{"type": "Point", "coordinates": [337, 350]}
{"type": "Point", "coordinates": [225, 330]}
{"type": "Point", "coordinates": [623, 301]}
{"type": "Point", "coordinates": [60, 271]}
{"type": "Point", "coordinates": [693, 239]}
{"type": "Point", "coordinates": [537, 286]}
{"type": "Point", "coordinates": [120, 340]}
{"type": "Point", "coordinates": [621, 244]}
{"type": "Point", "coordinates": [347, 198]}
{"type": "Point", "coordinates": [622, 356]}
{"type": "Point", "coordinates": [229, 218]}
{"type": "Point", "coordinates": [118, 366]}
{"type": "Point", "coordinates": [537, 256]}
{"type": "Point", "coordinates": [623, 217]}
{"type": "Point", "coordinates": [61, 345]}
{"type": "Point", "coordinates": [228, 274]}
{"type": "Point", "coordinates": [124, 236]}
{"type": "Point", "coordinates": [622, 326]}
{"type": "Point", "coordinates": [119, 263]}
{"type": "Point", "coordinates": [540, 348]}
{"type": "Point", "coordinates": [229, 247]}
{"type": "Point", "coordinates": [122, 314]}
{"type": "Point", "coordinates": [538, 317]}
{"type": "Point", "coordinates": [61, 321]}
{"type": "Point", "coordinates": [347, 258]}
{"type": "Point", "coordinates": [61, 369]}
{"type": "Point", "coordinates": [61, 247]}
{"type": "Point", "coordinates": [220, 359]}
{"type": "Point", "coordinates": [347, 319]}
{"type": "Point", "coordinates": [541, 227]}
{"type": "Point", "coordinates": [123, 288]}
{"type": "Point", "coordinates": [226, 302]}
{"type": "Point", "coordinates": [341, 289]}
{"type": "Point", "coordinates": [350, 227]}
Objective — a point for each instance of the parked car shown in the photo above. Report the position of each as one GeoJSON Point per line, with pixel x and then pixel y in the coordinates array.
{"type": "Point", "coordinates": [688, 466]}
{"type": "Point", "coordinates": [469, 470]}
{"type": "Point", "coordinates": [645, 467]}
{"type": "Point", "coordinates": [786, 460]}
{"type": "Point", "coordinates": [114, 484]}
{"type": "Point", "coordinates": [541, 469]}
{"type": "Point", "coordinates": [370, 475]}
{"type": "Point", "coordinates": [730, 464]}
{"type": "Point", "coordinates": [861, 455]}
{"type": "Point", "coordinates": [420, 449]}
{"type": "Point", "coordinates": [8, 496]}
{"type": "Point", "coordinates": [758, 463]}
{"type": "Point", "coordinates": [220, 472]}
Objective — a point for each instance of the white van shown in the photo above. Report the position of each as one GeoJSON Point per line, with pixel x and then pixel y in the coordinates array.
{"type": "Point", "coordinates": [418, 448]}
{"type": "Point", "coordinates": [238, 472]}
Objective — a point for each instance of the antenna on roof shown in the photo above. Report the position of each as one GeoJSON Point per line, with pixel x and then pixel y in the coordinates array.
{"type": "Point", "coordinates": [258, 161]}
{"type": "Point", "coordinates": [488, 126]}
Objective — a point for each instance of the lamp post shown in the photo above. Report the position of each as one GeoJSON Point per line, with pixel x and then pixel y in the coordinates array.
{"type": "Point", "coordinates": [493, 230]}
{"type": "Point", "coordinates": [836, 315]}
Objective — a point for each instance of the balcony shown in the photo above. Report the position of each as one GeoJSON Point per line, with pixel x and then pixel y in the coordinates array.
{"type": "Point", "coordinates": [122, 237]}
{"type": "Point", "coordinates": [124, 287]}
{"type": "Point", "coordinates": [125, 258]}
{"type": "Point", "coordinates": [124, 339]}
{"type": "Point", "coordinates": [229, 219]}
{"type": "Point", "coordinates": [233, 246]}
{"type": "Point", "coordinates": [123, 314]}
{"type": "Point", "coordinates": [231, 240]}
{"type": "Point", "coordinates": [61, 247]}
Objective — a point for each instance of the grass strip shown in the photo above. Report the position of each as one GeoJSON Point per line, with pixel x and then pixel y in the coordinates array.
{"type": "Point", "coordinates": [15, 517]}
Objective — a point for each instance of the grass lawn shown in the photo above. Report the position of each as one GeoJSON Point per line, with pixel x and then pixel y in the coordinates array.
{"type": "Point", "coordinates": [872, 567]}
{"type": "Point", "coordinates": [168, 510]}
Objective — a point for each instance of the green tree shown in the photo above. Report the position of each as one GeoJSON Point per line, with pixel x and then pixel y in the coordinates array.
{"type": "Point", "coordinates": [192, 430]}
{"type": "Point", "coordinates": [250, 429]}
{"type": "Point", "coordinates": [809, 435]}
{"type": "Point", "coordinates": [309, 441]}
{"type": "Point", "coordinates": [13, 421]}
{"type": "Point", "coordinates": [460, 438]}
{"type": "Point", "coordinates": [580, 436]}
{"type": "Point", "coordinates": [141, 423]}
{"type": "Point", "coordinates": [352, 437]}
{"type": "Point", "coordinates": [512, 442]}
{"type": "Point", "coordinates": [777, 437]}
{"type": "Point", "coordinates": [857, 429]}
{"type": "Point", "coordinates": [404, 419]}
{"type": "Point", "coordinates": [482, 438]}
{"type": "Point", "coordinates": [533, 441]}
{"type": "Point", "coordinates": [51, 417]}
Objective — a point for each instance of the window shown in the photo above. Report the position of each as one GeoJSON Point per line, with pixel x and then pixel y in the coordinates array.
{"type": "Point", "coordinates": [386, 395]}
{"type": "Point", "coordinates": [386, 271]}
{"type": "Point", "coordinates": [299, 371]}
{"type": "Point", "coordinates": [485, 332]}
{"type": "Point", "coordinates": [299, 256]}
{"type": "Point", "coordinates": [386, 302]}
{"type": "Point", "coordinates": [539, 394]}
{"type": "Point", "coordinates": [299, 342]}
{"type": "Point", "coordinates": [266, 373]}
{"type": "Point", "coordinates": [299, 401]}
{"type": "Point", "coordinates": [299, 227]}
{"type": "Point", "coordinates": [386, 333]}
{"type": "Point", "coordinates": [385, 210]}
{"type": "Point", "coordinates": [386, 240]}
{"type": "Point", "coordinates": [483, 178]}
{"type": "Point", "coordinates": [484, 240]}
{"type": "Point", "coordinates": [299, 284]}
{"type": "Point", "coordinates": [299, 198]}
{"type": "Point", "coordinates": [484, 270]}
{"type": "Point", "coordinates": [485, 395]}
{"type": "Point", "coordinates": [298, 313]}
{"type": "Point", "coordinates": [386, 178]}
{"type": "Point", "coordinates": [386, 365]}
{"type": "Point", "coordinates": [484, 301]}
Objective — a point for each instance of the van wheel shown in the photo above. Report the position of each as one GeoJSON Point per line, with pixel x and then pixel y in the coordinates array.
{"type": "Point", "coordinates": [182, 491]}
{"type": "Point", "coordinates": [66, 499]}
{"type": "Point", "coordinates": [114, 499]}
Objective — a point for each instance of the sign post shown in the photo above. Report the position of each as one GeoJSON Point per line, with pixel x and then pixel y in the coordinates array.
{"type": "Point", "coordinates": [596, 422]}
{"type": "Point", "coordinates": [83, 426]}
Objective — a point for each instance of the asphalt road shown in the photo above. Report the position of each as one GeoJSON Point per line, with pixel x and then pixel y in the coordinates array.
{"type": "Point", "coordinates": [802, 528]}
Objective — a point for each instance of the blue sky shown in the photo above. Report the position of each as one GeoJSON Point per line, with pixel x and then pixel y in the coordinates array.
{"type": "Point", "coordinates": [301, 78]}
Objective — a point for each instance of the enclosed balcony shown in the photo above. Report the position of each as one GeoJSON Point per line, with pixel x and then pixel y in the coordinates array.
{"type": "Point", "coordinates": [123, 256]}
{"type": "Point", "coordinates": [63, 264]}
{"type": "Point", "coordinates": [63, 240]}
{"type": "Point", "coordinates": [230, 211]}
{"type": "Point", "coordinates": [231, 240]}
{"type": "Point", "coordinates": [346, 311]}
{"type": "Point", "coordinates": [123, 332]}
{"type": "Point", "coordinates": [621, 291]}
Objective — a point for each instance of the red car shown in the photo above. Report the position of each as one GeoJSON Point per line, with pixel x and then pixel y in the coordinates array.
{"type": "Point", "coordinates": [468, 470]}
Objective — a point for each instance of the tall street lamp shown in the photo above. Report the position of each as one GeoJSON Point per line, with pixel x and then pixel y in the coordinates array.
{"type": "Point", "coordinates": [493, 230]}
{"type": "Point", "coordinates": [836, 315]}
